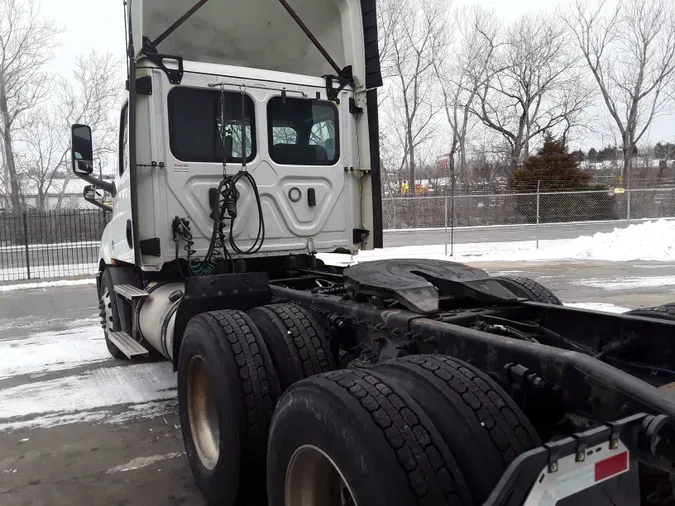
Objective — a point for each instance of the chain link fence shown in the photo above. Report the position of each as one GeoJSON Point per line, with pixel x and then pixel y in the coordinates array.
{"type": "Point", "coordinates": [43, 245]}
{"type": "Point", "coordinates": [481, 223]}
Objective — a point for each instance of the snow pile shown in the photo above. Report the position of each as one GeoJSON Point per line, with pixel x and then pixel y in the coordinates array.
{"type": "Point", "coordinates": [47, 284]}
{"type": "Point", "coordinates": [654, 240]}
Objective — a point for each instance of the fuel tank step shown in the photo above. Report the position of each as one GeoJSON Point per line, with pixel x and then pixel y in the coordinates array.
{"type": "Point", "coordinates": [130, 292]}
{"type": "Point", "coordinates": [127, 345]}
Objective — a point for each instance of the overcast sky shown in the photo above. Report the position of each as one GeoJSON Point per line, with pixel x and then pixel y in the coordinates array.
{"type": "Point", "coordinates": [99, 24]}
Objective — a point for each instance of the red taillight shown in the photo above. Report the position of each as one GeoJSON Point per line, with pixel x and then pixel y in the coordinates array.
{"type": "Point", "coordinates": [611, 466]}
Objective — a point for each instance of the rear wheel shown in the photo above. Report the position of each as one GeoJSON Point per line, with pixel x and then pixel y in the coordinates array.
{"type": "Point", "coordinates": [227, 388]}
{"type": "Point", "coordinates": [480, 423]}
{"type": "Point", "coordinates": [529, 289]}
{"type": "Point", "coordinates": [109, 312]}
{"type": "Point", "coordinates": [295, 341]}
{"type": "Point", "coordinates": [348, 438]}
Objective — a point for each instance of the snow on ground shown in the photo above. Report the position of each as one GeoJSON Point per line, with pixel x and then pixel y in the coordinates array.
{"type": "Point", "coordinates": [47, 284]}
{"type": "Point", "coordinates": [650, 241]}
{"type": "Point", "coordinates": [598, 306]}
{"type": "Point", "coordinates": [79, 398]}
{"type": "Point", "coordinates": [48, 271]}
{"type": "Point", "coordinates": [627, 283]}
{"type": "Point", "coordinates": [139, 462]}
{"type": "Point", "coordinates": [52, 351]}
{"type": "Point", "coordinates": [67, 376]}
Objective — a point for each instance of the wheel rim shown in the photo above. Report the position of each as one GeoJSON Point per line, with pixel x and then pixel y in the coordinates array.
{"type": "Point", "coordinates": [202, 413]}
{"type": "Point", "coordinates": [106, 301]}
{"type": "Point", "coordinates": [313, 479]}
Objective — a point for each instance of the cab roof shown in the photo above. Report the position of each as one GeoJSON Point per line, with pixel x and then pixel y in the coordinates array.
{"type": "Point", "coordinates": [261, 34]}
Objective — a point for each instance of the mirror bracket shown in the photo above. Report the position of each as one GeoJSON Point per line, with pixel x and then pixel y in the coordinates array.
{"type": "Point", "coordinates": [99, 183]}
{"type": "Point", "coordinates": [93, 201]}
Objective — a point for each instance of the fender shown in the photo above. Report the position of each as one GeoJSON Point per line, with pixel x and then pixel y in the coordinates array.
{"type": "Point", "coordinates": [241, 291]}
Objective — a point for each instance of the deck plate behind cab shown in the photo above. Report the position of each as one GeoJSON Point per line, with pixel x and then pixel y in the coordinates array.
{"type": "Point", "coordinates": [419, 284]}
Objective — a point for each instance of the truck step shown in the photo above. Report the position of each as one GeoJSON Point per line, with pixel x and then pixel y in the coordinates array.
{"type": "Point", "coordinates": [127, 345]}
{"type": "Point", "coordinates": [130, 292]}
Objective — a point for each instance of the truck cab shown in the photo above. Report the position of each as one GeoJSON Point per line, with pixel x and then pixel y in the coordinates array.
{"type": "Point", "coordinates": [196, 101]}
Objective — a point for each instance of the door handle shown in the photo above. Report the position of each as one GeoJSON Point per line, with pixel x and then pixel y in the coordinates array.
{"type": "Point", "coordinates": [311, 197]}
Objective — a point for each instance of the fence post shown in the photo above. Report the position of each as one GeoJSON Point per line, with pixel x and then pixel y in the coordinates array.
{"type": "Point", "coordinates": [452, 217]}
{"type": "Point", "coordinates": [538, 198]}
{"type": "Point", "coordinates": [394, 204]}
{"type": "Point", "coordinates": [25, 240]}
{"type": "Point", "coordinates": [446, 226]}
{"type": "Point", "coordinates": [628, 205]}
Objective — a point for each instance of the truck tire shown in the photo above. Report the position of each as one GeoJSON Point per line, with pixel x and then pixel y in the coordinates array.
{"type": "Point", "coordinates": [227, 389]}
{"type": "Point", "coordinates": [529, 289]}
{"type": "Point", "coordinates": [346, 435]}
{"type": "Point", "coordinates": [295, 341]}
{"type": "Point", "coordinates": [110, 320]}
{"type": "Point", "coordinates": [665, 312]}
{"type": "Point", "coordinates": [480, 423]}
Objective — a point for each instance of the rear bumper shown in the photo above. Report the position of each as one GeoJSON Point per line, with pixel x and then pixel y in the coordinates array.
{"type": "Point", "coordinates": [605, 457]}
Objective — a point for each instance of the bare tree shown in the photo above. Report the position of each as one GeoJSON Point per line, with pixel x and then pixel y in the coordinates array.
{"type": "Point", "coordinates": [417, 36]}
{"type": "Point", "coordinates": [460, 72]}
{"type": "Point", "coordinates": [26, 42]}
{"type": "Point", "coordinates": [529, 72]}
{"type": "Point", "coordinates": [630, 51]}
{"type": "Point", "coordinates": [91, 96]}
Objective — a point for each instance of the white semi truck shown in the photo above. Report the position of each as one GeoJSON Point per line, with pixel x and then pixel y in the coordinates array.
{"type": "Point", "coordinates": [248, 145]}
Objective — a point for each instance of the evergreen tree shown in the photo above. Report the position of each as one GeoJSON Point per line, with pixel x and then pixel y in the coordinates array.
{"type": "Point", "coordinates": [553, 167]}
{"type": "Point", "coordinates": [552, 170]}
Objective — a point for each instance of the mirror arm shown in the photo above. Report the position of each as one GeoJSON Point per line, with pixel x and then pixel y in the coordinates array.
{"type": "Point", "coordinates": [98, 204]}
{"type": "Point", "coordinates": [98, 183]}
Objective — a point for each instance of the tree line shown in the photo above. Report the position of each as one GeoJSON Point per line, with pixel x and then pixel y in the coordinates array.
{"type": "Point", "coordinates": [464, 87]}
{"type": "Point", "coordinates": [37, 107]}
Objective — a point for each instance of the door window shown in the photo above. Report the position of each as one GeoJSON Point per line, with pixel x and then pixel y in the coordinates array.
{"type": "Point", "coordinates": [303, 132]}
{"type": "Point", "coordinates": [196, 127]}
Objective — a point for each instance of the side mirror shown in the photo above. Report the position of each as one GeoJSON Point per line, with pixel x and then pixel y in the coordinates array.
{"type": "Point", "coordinates": [91, 196]}
{"type": "Point", "coordinates": [89, 193]}
{"type": "Point", "coordinates": [82, 155]}
{"type": "Point", "coordinates": [82, 151]}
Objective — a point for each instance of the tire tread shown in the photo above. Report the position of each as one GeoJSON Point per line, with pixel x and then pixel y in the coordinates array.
{"type": "Point", "coordinates": [429, 478]}
{"type": "Point", "coordinates": [537, 291]}
{"type": "Point", "coordinates": [258, 382]}
{"type": "Point", "coordinates": [509, 430]}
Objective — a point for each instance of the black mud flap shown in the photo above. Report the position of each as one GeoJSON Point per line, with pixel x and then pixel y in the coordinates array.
{"type": "Point", "coordinates": [222, 291]}
{"type": "Point", "coordinates": [598, 467]}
